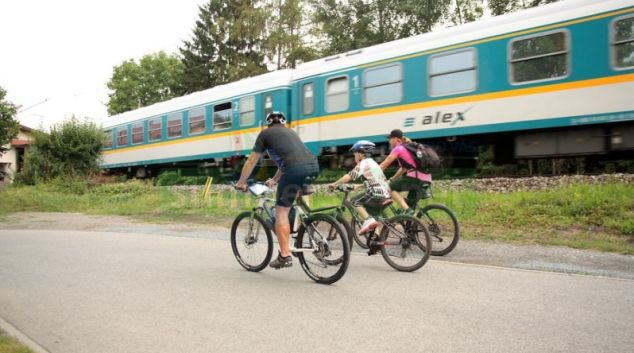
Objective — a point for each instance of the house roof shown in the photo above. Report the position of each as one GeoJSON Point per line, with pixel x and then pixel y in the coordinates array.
{"type": "Point", "coordinates": [18, 143]}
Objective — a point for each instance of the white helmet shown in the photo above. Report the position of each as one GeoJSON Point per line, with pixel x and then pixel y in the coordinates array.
{"type": "Point", "coordinates": [275, 118]}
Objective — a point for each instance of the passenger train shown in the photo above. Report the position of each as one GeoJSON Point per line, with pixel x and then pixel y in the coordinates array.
{"type": "Point", "coordinates": [556, 80]}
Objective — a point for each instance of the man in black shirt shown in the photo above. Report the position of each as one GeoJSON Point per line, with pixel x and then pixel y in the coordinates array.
{"type": "Point", "coordinates": [295, 164]}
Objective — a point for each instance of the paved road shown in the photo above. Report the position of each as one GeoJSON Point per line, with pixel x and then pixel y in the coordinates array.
{"type": "Point", "coordinates": [113, 292]}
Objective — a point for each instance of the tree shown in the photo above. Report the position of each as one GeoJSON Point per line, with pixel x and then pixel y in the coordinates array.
{"type": "Point", "coordinates": [71, 149]}
{"type": "Point", "coordinates": [499, 7]}
{"type": "Point", "coordinates": [354, 24]}
{"type": "Point", "coordinates": [465, 11]}
{"type": "Point", "coordinates": [246, 21]}
{"type": "Point", "coordinates": [285, 44]}
{"type": "Point", "coordinates": [226, 45]}
{"type": "Point", "coordinates": [154, 79]}
{"type": "Point", "coordinates": [9, 127]}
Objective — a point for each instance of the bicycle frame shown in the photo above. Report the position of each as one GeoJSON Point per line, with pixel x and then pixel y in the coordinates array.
{"type": "Point", "coordinates": [339, 209]}
{"type": "Point", "coordinates": [302, 210]}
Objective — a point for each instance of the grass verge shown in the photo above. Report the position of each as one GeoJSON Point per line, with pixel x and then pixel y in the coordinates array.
{"type": "Point", "coordinates": [9, 344]}
{"type": "Point", "coordinates": [599, 217]}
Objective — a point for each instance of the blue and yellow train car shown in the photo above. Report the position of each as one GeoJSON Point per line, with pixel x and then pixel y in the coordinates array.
{"type": "Point", "coordinates": [208, 127]}
{"type": "Point", "coordinates": [557, 80]}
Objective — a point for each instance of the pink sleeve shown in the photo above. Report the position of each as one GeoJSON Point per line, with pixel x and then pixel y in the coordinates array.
{"type": "Point", "coordinates": [398, 152]}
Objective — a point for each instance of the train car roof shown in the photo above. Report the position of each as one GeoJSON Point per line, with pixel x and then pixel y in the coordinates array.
{"type": "Point", "coordinates": [508, 23]}
{"type": "Point", "coordinates": [271, 80]}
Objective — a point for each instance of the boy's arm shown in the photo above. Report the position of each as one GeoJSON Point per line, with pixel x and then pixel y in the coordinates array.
{"type": "Point", "coordinates": [344, 179]}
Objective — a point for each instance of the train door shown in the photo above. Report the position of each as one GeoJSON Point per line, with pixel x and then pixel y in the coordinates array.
{"type": "Point", "coordinates": [267, 107]}
{"type": "Point", "coordinates": [307, 114]}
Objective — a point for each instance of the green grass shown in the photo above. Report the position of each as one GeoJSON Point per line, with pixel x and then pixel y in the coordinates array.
{"type": "Point", "coordinates": [11, 345]}
{"type": "Point", "coordinates": [599, 217]}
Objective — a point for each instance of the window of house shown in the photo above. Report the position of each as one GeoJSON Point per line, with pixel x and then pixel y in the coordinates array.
{"type": "Point", "coordinates": [247, 111]}
{"type": "Point", "coordinates": [337, 94]}
{"type": "Point", "coordinates": [537, 58]}
{"type": "Point", "coordinates": [308, 98]}
{"type": "Point", "coordinates": [624, 43]}
{"type": "Point", "coordinates": [122, 136]}
{"type": "Point", "coordinates": [155, 129]}
{"type": "Point", "coordinates": [222, 116]}
{"type": "Point", "coordinates": [197, 121]}
{"type": "Point", "coordinates": [383, 85]}
{"type": "Point", "coordinates": [175, 125]}
{"type": "Point", "coordinates": [137, 133]}
{"type": "Point", "coordinates": [452, 73]}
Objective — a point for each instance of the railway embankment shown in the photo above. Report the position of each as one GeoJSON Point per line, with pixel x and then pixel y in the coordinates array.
{"type": "Point", "coordinates": [501, 185]}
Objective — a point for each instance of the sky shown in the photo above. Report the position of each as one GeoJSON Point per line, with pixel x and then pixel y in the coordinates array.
{"type": "Point", "coordinates": [57, 55]}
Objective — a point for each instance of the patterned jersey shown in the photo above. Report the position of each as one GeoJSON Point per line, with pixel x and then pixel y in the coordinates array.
{"type": "Point", "coordinates": [373, 178]}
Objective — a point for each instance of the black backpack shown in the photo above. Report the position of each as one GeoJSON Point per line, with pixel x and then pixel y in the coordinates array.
{"type": "Point", "coordinates": [424, 156]}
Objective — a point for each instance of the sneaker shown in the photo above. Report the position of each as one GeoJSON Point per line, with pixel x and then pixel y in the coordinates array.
{"type": "Point", "coordinates": [409, 211]}
{"type": "Point", "coordinates": [281, 262]}
{"type": "Point", "coordinates": [367, 225]}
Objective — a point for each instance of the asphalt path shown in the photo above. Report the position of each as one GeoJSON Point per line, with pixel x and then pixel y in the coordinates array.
{"type": "Point", "coordinates": [73, 291]}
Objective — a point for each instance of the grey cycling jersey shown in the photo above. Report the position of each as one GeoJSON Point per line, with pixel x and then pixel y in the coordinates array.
{"type": "Point", "coordinates": [284, 146]}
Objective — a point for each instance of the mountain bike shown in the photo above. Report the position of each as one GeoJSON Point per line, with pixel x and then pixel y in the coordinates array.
{"type": "Point", "coordinates": [320, 244]}
{"type": "Point", "coordinates": [403, 240]}
{"type": "Point", "coordinates": [442, 223]}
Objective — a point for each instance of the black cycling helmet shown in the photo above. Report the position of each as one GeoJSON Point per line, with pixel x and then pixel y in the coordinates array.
{"type": "Point", "coordinates": [364, 146]}
{"type": "Point", "coordinates": [275, 118]}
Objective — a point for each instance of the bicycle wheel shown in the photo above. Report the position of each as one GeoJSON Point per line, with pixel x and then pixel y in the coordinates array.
{"type": "Point", "coordinates": [329, 261]}
{"type": "Point", "coordinates": [443, 226]}
{"type": "Point", "coordinates": [355, 225]}
{"type": "Point", "coordinates": [251, 241]}
{"type": "Point", "coordinates": [405, 243]}
{"type": "Point", "coordinates": [346, 226]}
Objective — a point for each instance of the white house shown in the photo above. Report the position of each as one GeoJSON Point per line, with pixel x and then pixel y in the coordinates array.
{"type": "Point", "coordinates": [11, 161]}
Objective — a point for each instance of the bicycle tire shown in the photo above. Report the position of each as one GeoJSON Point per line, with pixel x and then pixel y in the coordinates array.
{"type": "Point", "coordinates": [330, 262]}
{"type": "Point", "coordinates": [251, 252]}
{"type": "Point", "coordinates": [359, 239]}
{"type": "Point", "coordinates": [347, 228]}
{"type": "Point", "coordinates": [443, 226]}
{"type": "Point", "coordinates": [413, 251]}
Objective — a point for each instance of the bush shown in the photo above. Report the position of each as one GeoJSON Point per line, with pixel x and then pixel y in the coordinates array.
{"type": "Point", "coordinates": [171, 178]}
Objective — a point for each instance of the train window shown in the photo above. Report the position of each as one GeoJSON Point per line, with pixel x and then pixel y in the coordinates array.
{"type": "Point", "coordinates": [337, 94]}
{"type": "Point", "coordinates": [308, 98]}
{"type": "Point", "coordinates": [196, 121]}
{"type": "Point", "coordinates": [222, 116]}
{"type": "Point", "coordinates": [155, 129]}
{"type": "Point", "coordinates": [383, 85]}
{"type": "Point", "coordinates": [539, 58]}
{"type": "Point", "coordinates": [174, 125]}
{"type": "Point", "coordinates": [107, 139]}
{"type": "Point", "coordinates": [451, 73]}
{"type": "Point", "coordinates": [268, 104]}
{"type": "Point", "coordinates": [137, 133]}
{"type": "Point", "coordinates": [624, 43]}
{"type": "Point", "coordinates": [122, 136]}
{"type": "Point", "coordinates": [247, 111]}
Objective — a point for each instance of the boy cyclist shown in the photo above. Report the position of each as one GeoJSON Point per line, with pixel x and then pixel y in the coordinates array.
{"type": "Point", "coordinates": [377, 189]}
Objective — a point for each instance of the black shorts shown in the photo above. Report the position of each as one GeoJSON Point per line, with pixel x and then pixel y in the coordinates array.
{"type": "Point", "coordinates": [294, 177]}
{"type": "Point", "coordinates": [415, 187]}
